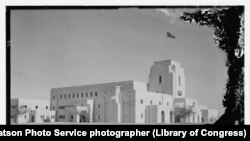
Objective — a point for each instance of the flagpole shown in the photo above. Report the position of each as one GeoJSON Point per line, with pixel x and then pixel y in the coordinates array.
{"type": "Point", "coordinates": [169, 35]}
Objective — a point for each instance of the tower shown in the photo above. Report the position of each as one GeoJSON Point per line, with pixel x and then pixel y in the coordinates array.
{"type": "Point", "coordinates": [167, 77]}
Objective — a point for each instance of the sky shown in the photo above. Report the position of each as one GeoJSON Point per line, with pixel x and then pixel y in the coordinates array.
{"type": "Point", "coordinates": [58, 48]}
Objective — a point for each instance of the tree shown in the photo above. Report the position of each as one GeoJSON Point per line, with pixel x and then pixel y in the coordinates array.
{"type": "Point", "coordinates": [47, 119]}
{"type": "Point", "coordinates": [228, 25]}
{"type": "Point", "coordinates": [184, 112]}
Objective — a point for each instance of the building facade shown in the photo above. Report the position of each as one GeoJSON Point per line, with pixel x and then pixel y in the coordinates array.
{"type": "Point", "coordinates": [161, 100]}
{"type": "Point", "coordinates": [31, 111]}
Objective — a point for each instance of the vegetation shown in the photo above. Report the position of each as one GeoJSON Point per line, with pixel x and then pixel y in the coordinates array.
{"type": "Point", "coordinates": [228, 25]}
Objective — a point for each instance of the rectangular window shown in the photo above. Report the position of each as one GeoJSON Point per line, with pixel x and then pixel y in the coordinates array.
{"type": "Point", "coordinates": [61, 96]}
{"type": "Point", "coordinates": [96, 94]}
{"type": "Point", "coordinates": [179, 80]}
{"type": "Point", "coordinates": [65, 96]}
{"type": "Point", "coordinates": [61, 107]}
{"type": "Point", "coordinates": [82, 95]}
{"type": "Point", "coordinates": [159, 79]}
{"type": "Point", "coordinates": [77, 95]}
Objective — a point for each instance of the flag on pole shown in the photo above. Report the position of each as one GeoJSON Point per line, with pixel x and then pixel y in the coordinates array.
{"type": "Point", "coordinates": [169, 35]}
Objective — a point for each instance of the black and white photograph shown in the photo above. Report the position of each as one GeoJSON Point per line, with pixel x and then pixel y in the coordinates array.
{"type": "Point", "coordinates": [160, 65]}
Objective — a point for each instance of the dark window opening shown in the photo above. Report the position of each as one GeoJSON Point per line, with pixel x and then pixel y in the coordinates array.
{"type": "Point", "coordinates": [160, 79]}
{"type": "Point", "coordinates": [179, 80]}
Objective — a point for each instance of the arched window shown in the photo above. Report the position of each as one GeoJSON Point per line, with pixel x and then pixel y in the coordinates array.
{"type": "Point", "coordinates": [162, 117]}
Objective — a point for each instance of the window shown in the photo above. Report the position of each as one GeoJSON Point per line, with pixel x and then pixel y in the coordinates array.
{"type": "Point", "coordinates": [82, 95]}
{"type": "Point", "coordinates": [77, 95]}
{"type": "Point", "coordinates": [53, 107]}
{"type": "Point", "coordinates": [86, 94]}
{"type": "Point", "coordinates": [61, 116]}
{"type": "Point", "coordinates": [98, 105]}
{"type": "Point", "coordinates": [160, 79]}
{"type": "Point", "coordinates": [36, 107]}
{"type": "Point", "coordinates": [69, 95]}
{"type": "Point", "coordinates": [141, 115]}
{"type": "Point", "coordinates": [167, 103]}
{"type": "Point", "coordinates": [73, 95]}
{"type": "Point", "coordinates": [141, 101]}
{"type": "Point", "coordinates": [151, 102]}
{"type": "Point", "coordinates": [159, 103]}
{"type": "Point", "coordinates": [157, 91]}
{"type": "Point", "coordinates": [46, 107]}
{"type": "Point", "coordinates": [65, 96]}
{"type": "Point", "coordinates": [162, 91]}
{"type": "Point", "coordinates": [179, 80]}
{"type": "Point", "coordinates": [99, 117]}
{"type": "Point", "coordinates": [61, 96]}
{"type": "Point", "coordinates": [90, 94]}
{"type": "Point", "coordinates": [95, 94]}
{"type": "Point", "coordinates": [61, 107]}
{"type": "Point", "coordinates": [54, 97]}
{"type": "Point", "coordinates": [24, 116]}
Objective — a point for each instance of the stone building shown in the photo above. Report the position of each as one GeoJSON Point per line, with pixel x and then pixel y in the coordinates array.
{"type": "Point", "coordinates": [158, 101]}
{"type": "Point", "coordinates": [31, 111]}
